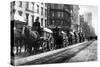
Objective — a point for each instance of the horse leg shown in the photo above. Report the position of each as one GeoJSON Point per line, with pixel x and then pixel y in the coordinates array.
{"type": "Point", "coordinates": [25, 46]}
{"type": "Point", "coordinates": [30, 48]}
{"type": "Point", "coordinates": [17, 50]}
{"type": "Point", "coordinates": [35, 48]}
{"type": "Point", "coordinates": [20, 48]}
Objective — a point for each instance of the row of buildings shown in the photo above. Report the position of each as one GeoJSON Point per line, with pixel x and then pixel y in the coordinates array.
{"type": "Point", "coordinates": [30, 11]}
{"type": "Point", "coordinates": [50, 15]}
{"type": "Point", "coordinates": [86, 24]}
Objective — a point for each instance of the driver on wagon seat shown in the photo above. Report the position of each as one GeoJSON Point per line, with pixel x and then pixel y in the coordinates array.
{"type": "Point", "coordinates": [36, 25]}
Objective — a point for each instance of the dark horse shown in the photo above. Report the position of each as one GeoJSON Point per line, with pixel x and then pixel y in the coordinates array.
{"type": "Point", "coordinates": [58, 38]}
{"type": "Point", "coordinates": [18, 39]}
{"type": "Point", "coordinates": [30, 39]}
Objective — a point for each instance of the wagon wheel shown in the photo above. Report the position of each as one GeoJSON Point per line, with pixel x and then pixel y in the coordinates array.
{"type": "Point", "coordinates": [44, 46]}
{"type": "Point", "coordinates": [51, 43]}
{"type": "Point", "coordinates": [64, 42]}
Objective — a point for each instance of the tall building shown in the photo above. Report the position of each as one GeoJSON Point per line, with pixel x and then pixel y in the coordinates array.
{"type": "Point", "coordinates": [59, 15]}
{"type": "Point", "coordinates": [30, 11]}
{"type": "Point", "coordinates": [81, 22]}
{"type": "Point", "coordinates": [75, 18]}
{"type": "Point", "coordinates": [88, 18]}
{"type": "Point", "coordinates": [86, 25]}
{"type": "Point", "coordinates": [40, 10]}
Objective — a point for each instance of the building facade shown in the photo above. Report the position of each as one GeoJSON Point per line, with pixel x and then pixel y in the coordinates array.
{"type": "Point", "coordinates": [75, 18]}
{"type": "Point", "coordinates": [59, 15]}
{"type": "Point", "coordinates": [81, 22]}
{"type": "Point", "coordinates": [88, 18]}
{"type": "Point", "coordinates": [30, 11]}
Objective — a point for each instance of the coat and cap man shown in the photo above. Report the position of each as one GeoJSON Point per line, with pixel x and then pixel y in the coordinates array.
{"type": "Point", "coordinates": [36, 25]}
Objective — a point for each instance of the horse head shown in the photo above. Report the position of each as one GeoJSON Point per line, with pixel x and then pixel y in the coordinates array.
{"type": "Point", "coordinates": [25, 31]}
{"type": "Point", "coordinates": [28, 32]}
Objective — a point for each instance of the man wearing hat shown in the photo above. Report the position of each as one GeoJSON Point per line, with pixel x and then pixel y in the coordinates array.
{"type": "Point", "coordinates": [36, 25]}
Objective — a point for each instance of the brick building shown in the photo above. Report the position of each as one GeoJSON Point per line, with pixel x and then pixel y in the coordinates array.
{"type": "Point", "coordinates": [59, 15]}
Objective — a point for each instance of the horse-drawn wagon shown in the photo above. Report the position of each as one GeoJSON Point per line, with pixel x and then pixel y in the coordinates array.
{"type": "Point", "coordinates": [60, 37]}
{"type": "Point", "coordinates": [31, 39]}
{"type": "Point", "coordinates": [34, 42]}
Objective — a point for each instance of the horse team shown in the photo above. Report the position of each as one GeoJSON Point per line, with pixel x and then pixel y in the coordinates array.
{"type": "Point", "coordinates": [33, 40]}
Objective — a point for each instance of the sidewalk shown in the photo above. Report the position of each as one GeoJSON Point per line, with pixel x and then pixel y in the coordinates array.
{"type": "Point", "coordinates": [49, 53]}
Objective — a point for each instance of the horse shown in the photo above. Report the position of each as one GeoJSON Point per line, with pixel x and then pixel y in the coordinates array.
{"type": "Point", "coordinates": [31, 39]}
{"type": "Point", "coordinates": [70, 38]}
{"type": "Point", "coordinates": [75, 35]}
{"type": "Point", "coordinates": [58, 39]}
{"type": "Point", "coordinates": [18, 39]}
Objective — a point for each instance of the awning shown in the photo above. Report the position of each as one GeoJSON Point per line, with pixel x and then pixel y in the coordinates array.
{"type": "Point", "coordinates": [63, 32]}
{"type": "Point", "coordinates": [19, 18]}
{"type": "Point", "coordinates": [47, 30]}
{"type": "Point", "coordinates": [72, 33]}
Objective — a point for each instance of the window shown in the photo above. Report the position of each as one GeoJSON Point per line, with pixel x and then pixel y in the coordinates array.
{"type": "Point", "coordinates": [45, 12]}
{"type": "Point", "coordinates": [56, 6]}
{"type": "Point", "coordinates": [12, 7]}
{"type": "Point", "coordinates": [42, 3]}
{"type": "Point", "coordinates": [33, 6]}
{"type": "Point", "coordinates": [45, 23]}
{"type": "Point", "coordinates": [53, 22]}
{"type": "Point", "coordinates": [45, 4]}
{"type": "Point", "coordinates": [27, 17]}
{"type": "Point", "coordinates": [37, 8]}
{"type": "Point", "coordinates": [13, 3]}
{"type": "Point", "coordinates": [62, 23]}
{"type": "Point", "coordinates": [41, 10]}
{"type": "Point", "coordinates": [52, 6]}
{"type": "Point", "coordinates": [59, 14]}
{"type": "Point", "coordinates": [20, 13]}
{"type": "Point", "coordinates": [41, 21]}
{"type": "Point", "coordinates": [32, 18]}
{"type": "Point", "coordinates": [20, 5]}
{"type": "Point", "coordinates": [13, 11]}
{"type": "Point", "coordinates": [56, 14]}
{"type": "Point", "coordinates": [66, 15]}
{"type": "Point", "coordinates": [27, 5]}
{"type": "Point", "coordinates": [58, 22]}
{"type": "Point", "coordinates": [59, 6]}
{"type": "Point", "coordinates": [52, 14]}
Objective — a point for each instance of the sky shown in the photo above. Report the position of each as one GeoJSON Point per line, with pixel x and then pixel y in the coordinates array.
{"type": "Point", "coordinates": [94, 11]}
